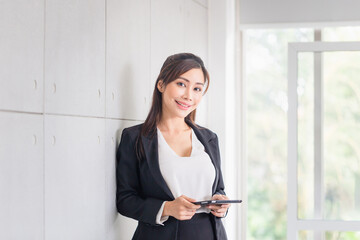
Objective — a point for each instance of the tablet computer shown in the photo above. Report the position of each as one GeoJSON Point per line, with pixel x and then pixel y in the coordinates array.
{"type": "Point", "coordinates": [218, 202]}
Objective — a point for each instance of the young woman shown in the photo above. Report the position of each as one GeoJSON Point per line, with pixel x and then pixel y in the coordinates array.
{"type": "Point", "coordinates": [169, 162]}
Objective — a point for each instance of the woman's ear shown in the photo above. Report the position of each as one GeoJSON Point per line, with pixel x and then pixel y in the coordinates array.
{"type": "Point", "coordinates": [160, 86]}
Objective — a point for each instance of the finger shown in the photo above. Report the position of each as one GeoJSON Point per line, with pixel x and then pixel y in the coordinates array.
{"type": "Point", "coordinates": [218, 208]}
{"type": "Point", "coordinates": [190, 205]}
{"type": "Point", "coordinates": [217, 214]}
{"type": "Point", "coordinates": [224, 197]}
{"type": "Point", "coordinates": [214, 207]}
{"type": "Point", "coordinates": [216, 197]}
{"type": "Point", "coordinates": [222, 210]}
{"type": "Point", "coordinates": [190, 211]}
{"type": "Point", "coordinates": [188, 198]}
{"type": "Point", "coordinates": [225, 205]}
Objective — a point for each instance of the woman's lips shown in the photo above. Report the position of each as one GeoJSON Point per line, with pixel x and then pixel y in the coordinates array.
{"type": "Point", "coordinates": [182, 106]}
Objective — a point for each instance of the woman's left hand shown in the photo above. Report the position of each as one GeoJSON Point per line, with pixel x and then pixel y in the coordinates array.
{"type": "Point", "coordinates": [219, 210]}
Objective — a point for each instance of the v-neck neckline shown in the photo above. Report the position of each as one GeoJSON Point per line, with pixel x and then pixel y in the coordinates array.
{"type": "Point", "coordinates": [168, 146]}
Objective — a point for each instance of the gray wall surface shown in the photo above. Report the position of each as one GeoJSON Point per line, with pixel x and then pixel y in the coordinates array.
{"type": "Point", "coordinates": [73, 75]}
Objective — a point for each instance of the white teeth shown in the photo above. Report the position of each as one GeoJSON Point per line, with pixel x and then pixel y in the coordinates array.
{"type": "Point", "coordinates": [182, 104]}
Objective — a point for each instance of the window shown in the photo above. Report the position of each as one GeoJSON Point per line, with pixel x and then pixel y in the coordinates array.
{"type": "Point", "coordinates": [265, 76]}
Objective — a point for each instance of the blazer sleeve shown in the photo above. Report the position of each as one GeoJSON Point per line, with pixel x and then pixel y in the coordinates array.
{"type": "Point", "coordinates": [129, 200]}
{"type": "Point", "coordinates": [220, 184]}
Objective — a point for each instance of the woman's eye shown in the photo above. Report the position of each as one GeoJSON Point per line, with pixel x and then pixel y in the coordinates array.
{"type": "Point", "coordinates": [198, 89]}
{"type": "Point", "coordinates": [181, 84]}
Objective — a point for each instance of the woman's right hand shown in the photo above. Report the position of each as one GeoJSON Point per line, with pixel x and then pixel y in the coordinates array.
{"type": "Point", "coordinates": [181, 208]}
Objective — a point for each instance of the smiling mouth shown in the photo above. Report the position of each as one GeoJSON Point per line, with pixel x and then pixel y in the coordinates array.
{"type": "Point", "coordinates": [183, 105]}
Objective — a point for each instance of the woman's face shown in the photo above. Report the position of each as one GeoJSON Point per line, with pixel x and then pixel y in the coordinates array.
{"type": "Point", "coordinates": [183, 95]}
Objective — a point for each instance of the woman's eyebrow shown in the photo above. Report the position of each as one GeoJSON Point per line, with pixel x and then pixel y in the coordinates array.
{"type": "Point", "coordinates": [189, 81]}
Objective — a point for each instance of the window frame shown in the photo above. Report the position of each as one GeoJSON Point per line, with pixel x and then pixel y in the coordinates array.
{"type": "Point", "coordinates": [294, 224]}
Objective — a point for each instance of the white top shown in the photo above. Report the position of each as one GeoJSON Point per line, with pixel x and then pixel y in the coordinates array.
{"type": "Point", "coordinates": [191, 176]}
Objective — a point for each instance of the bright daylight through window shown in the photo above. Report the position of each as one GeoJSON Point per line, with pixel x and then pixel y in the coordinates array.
{"type": "Point", "coordinates": [265, 59]}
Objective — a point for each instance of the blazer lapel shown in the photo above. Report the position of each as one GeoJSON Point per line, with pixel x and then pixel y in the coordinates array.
{"type": "Point", "coordinates": [152, 157]}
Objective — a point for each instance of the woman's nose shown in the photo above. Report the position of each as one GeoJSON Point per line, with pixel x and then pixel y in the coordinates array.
{"type": "Point", "coordinates": [188, 94]}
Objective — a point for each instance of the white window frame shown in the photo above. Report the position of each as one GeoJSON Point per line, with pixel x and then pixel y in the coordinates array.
{"type": "Point", "coordinates": [294, 224]}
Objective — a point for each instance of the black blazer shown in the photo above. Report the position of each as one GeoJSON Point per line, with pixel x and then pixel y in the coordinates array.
{"type": "Point", "coordinates": [141, 189]}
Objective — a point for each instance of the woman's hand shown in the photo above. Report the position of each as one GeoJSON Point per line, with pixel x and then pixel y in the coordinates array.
{"type": "Point", "coordinates": [181, 208]}
{"type": "Point", "coordinates": [219, 210]}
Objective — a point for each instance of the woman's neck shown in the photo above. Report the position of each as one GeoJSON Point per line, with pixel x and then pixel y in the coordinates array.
{"type": "Point", "coordinates": [173, 125]}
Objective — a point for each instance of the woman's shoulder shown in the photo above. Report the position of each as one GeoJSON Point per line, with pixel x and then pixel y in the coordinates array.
{"type": "Point", "coordinates": [132, 131]}
{"type": "Point", "coordinates": [206, 131]}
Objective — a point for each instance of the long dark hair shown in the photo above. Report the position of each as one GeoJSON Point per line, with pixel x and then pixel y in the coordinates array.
{"type": "Point", "coordinates": [174, 66]}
